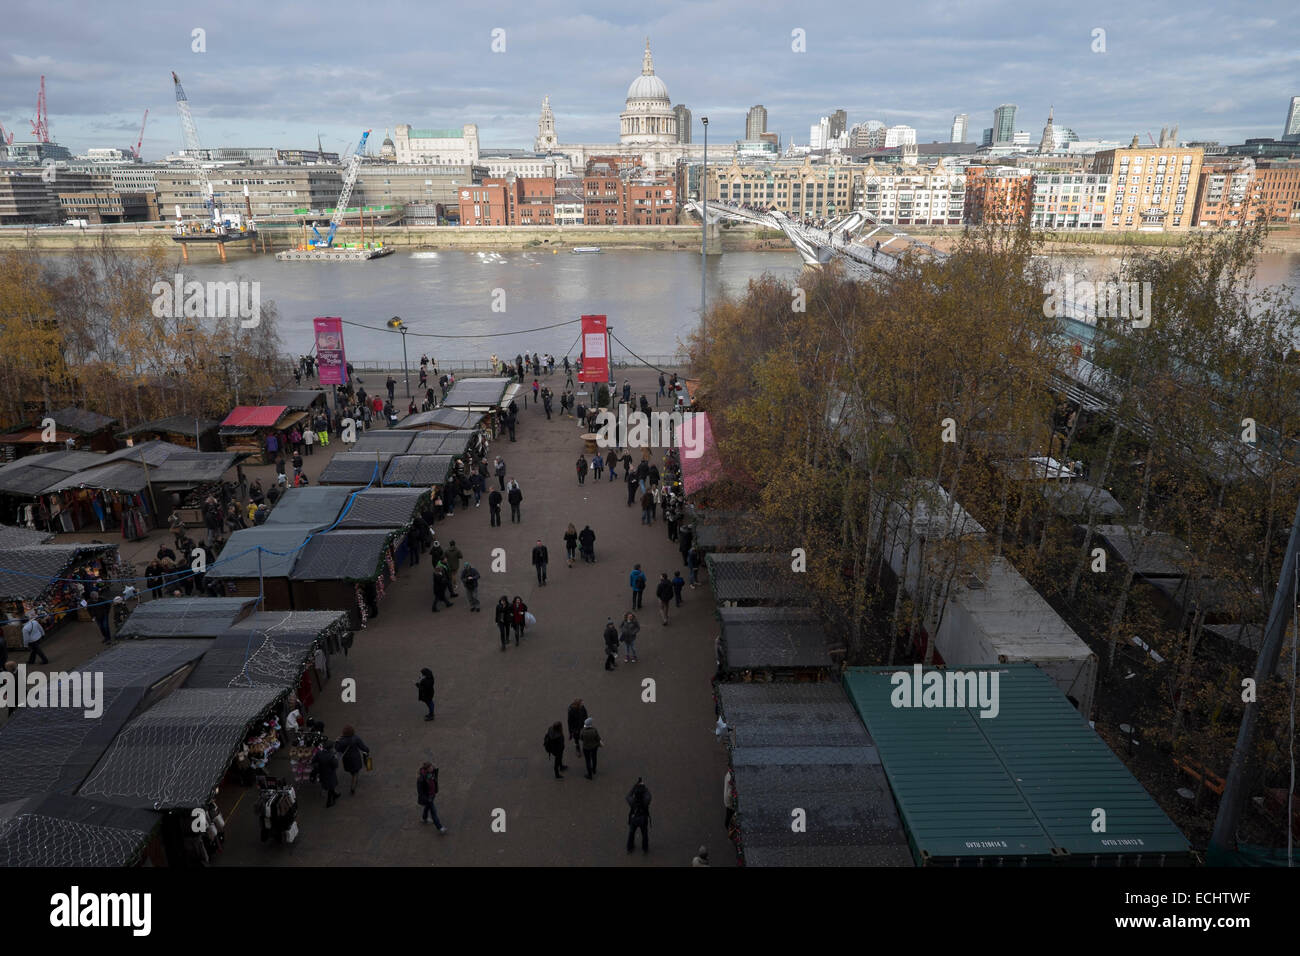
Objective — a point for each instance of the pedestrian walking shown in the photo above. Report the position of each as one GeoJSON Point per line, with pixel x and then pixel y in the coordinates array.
{"type": "Point", "coordinates": [541, 557]}
{"type": "Point", "coordinates": [693, 567]}
{"type": "Point", "coordinates": [576, 717]}
{"type": "Point", "coordinates": [636, 580]}
{"type": "Point", "coordinates": [632, 488]}
{"type": "Point", "coordinates": [504, 618]}
{"type": "Point", "coordinates": [325, 767]}
{"type": "Point", "coordinates": [597, 465]}
{"type": "Point", "coordinates": [425, 687]}
{"type": "Point", "coordinates": [582, 470]}
{"type": "Point", "coordinates": [664, 592]}
{"type": "Point", "coordinates": [587, 538]}
{"type": "Point", "coordinates": [627, 634]}
{"type": "Point", "coordinates": [611, 644]}
{"type": "Point", "coordinates": [647, 507]}
{"type": "Point", "coordinates": [679, 582]}
{"type": "Point", "coordinates": [500, 466]}
{"type": "Point", "coordinates": [590, 738]}
{"type": "Point", "coordinates": [440, 587]}
{"type": "Point", "coordinates": [452, 559]}
{"type": "Point", "coordinates": [426, 789]}
{"type": "Point", "coordinates": [469, 577]}
{"type": "Point", "coordinates": [494, 508]}
{"type": "Point", "coordinates": [611, 463]}
{"type": "Point", "coordinates": [355, 753]}
{"type": "Point", "coordinates": [515, 496]}
{"type": "Point", "coordinates": [638, 815]}
{"type": "Point", "coordinates": [518, 612]}
{"type": "Point", "coordinates": [33, 634]}
{"type": "Point", "coordinates": [662, 382]}
{"type": "Point", "coordinates": [570, 543]}
{"type": "Point", "coordinates": [553, 744]}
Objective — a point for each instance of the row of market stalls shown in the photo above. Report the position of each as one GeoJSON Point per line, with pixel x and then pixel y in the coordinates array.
{"type": "Point", "coordinates": [39, 577]}
{"type": "Point", "coordinates": [323, 546]}
{"type": "Point", "coordinates": [199, 679]}
{"type": "Point", "coordinates": [246, 428]}
{"type": "Point", "coordinates": [404, 459]}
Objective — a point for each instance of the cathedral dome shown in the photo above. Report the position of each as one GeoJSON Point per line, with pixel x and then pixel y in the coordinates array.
{"type": "Point", "coordinates": [647, 86]}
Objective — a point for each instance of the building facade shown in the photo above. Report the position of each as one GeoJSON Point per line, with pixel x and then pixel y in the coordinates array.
{"type": "Point", "coordinates": [755, 122]}
{"type": "Point", "coordinates": [414, 185]}
{"type": "Point", "coordinates": [900, 136]}
{"type": "Point", "coordinates": [959, 124]}
{"type": "Point", "coordinates": [1291, 128]}
{"type": "Point", "coordinates": [282, 192]}
{"type": "Point", "coordinates": [449, 147]}
{"type": "Point", "coordinates": [1069, 201]}
{"type": "Point", "coordinates": [1152, 188]}
{"type": "Point", "coordinates": [1004, 123]}
{"type": "Point", "coordinates": [683, 123]}
{"type": "Point", "coordinates": [998, 195]}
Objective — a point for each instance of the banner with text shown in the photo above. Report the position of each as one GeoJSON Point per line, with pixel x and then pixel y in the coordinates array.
{"type": "Point", "coordinates": [330, 360]}
{"type": "Point", "coordinates": [595, 350]}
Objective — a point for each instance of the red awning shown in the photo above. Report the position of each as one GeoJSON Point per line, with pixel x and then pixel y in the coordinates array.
{"type": "Point", "coordinates": [701, 464]}
{"type": "Point", "coordinates": [254, 416]}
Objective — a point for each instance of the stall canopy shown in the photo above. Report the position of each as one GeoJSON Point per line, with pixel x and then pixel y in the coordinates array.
{"type": "Point", "coordinates": [254, 416]}
{"type": "Point", "coordinates": [315, 505]}
{"type": "Point", "coordinates": [418, 470]}
{"type": "Point", "coordinates": [58, 830]}
{"type": "Point", "coordinates": [194, 468]}
{"type": "Point", "coordinates": [186, 617]}
{"type": "Point", "coordinates": [1146, 552]}
{"type": "Point", "coordinates": [173, 425]}
{"type": "Point", "coordinates": [171, 756]}
{"type": "Point", "coordinates": [353, 554]}
{"type": "Point", "coordinates": [1031, 778]}
{"type": "Point", "coordinates": [297, 399]}
{"type": "Point", "coordinates": [14, 536]}
{"type": "Point", "coordinates": [480, 393]}
{"type": "Point", "coordinates": [736, 533]}
{"type": "Point", "coordinates": [1074, 499]}
{"type": "Point", "coordinates": [773, 638]}
{"type": "Point", "coordinates": [52, 749]}
{"type": "Point", "coordinates": [267, 649]}
{"type": "Point", "coordinates": [392, 442]}
{"type": "Point", "coordinates": [116, 476]}
{"type": "Point", "coordinates": [705, 467]}
{"type": "Point", "coordinates": [442, 418]}
{"type": "Point", "coordinates": [27, 572]}
{"type": "Point", "coordinates": [81, 421]}
{"type": "Point", "coordinates": [801, 745]}
{"type": "Point", "coordinates": [355, 468]}
{"type": "Point", "coordinates": [454, 442]}
{"type": "Point", "coordinates": [383, 508]}
{"type": "Point", "coordinates": [268, 551]}
{"type": "Point", "coordinates": [754, 578]}
{"type": "Point", "coordinates": [30, 476]}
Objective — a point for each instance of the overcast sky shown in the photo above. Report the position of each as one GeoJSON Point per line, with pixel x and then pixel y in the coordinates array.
{"type": "Point", "coordinates": [277, 74]}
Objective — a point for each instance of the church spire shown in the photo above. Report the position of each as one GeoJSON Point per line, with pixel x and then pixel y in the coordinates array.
{"type": "Point", "coordinates": [647, 63]}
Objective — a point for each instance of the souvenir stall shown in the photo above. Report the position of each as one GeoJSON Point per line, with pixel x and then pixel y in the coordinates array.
{"type": "Point", "coordinates": [49, 580]}
{"type": "Point", "coordinates": [195, 433]}
{"type": "Point", "coordinates": [346, 570]}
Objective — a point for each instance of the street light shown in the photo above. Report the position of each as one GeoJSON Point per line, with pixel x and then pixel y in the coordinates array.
{"type": "Point", "coordinates": [398, 325]}
{"type": "Point", "coordinates": [704, 217]}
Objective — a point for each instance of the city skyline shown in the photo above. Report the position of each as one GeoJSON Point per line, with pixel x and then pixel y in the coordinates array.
{"type": "Point", "coordinates": [266, 79]}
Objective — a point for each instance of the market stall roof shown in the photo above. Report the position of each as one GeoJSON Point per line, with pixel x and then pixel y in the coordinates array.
{"type": "Point", "coordinates": [153, 453]}
{"type": "Point", "coordinates": [352, 554]}
{"type": "Point", "coordinates": [418, 471]}
{"type": "Point", "coordinates": [297, 399]}
{"type": "Point", "coordinates": [482, 393]}
{"type": "Point", "coordinates": [315, 505]}
{"type": "Point", "coordinates": [1148, 553]}
{"type": "Point", "coordinates": [28, 477]}
{"type": "Point", "coordinates": [392, 442]}
{"type": "Point", "coordinates": [253, 416]}
{"type": "Point", "coordinates": [81, 421]}
{"type": "Point", "coordinates": [355, 468]}
{"type": "Point", "coordinates": [186, 617]}
{"type": "Point", "coordinates": [773, 637]}
{"type": "Point", "coordinates": [172, 425]}
{"type": "Point", "coordinates": [267, 551]}
{"type": "Point", "coordinates": [739, 534]}
{"type": "Point", "coordinates": [1037, 468]}
{"type": "Point", "coordinates": [383, 508]}
{"type": "Point", "coordinates": [755, 578]}
{"type": "Point", "coordinates": [52, 749]}
{"type": "Point", "coordinates": [118, 476]}
{"type": "Point", "coordinates": [1031, 777]}
{"type": "Point", "coordinates": [254, 657]}
{"type": "Point", "coordinates": [706, 467]}
{"type": "Point", "coordinates": [57, 830]}
{"type": "Point", "coordinates": [1220, 599]}
{"type": "Point", "coordinates": [442, 418]}
{"type": "Point", "coordinates": [172, 755]}
{"type": "Point", "coordinates": [27, 572]}
{"type": "Point", "coordinates": [448, 442]}
{"type": "Point", "coordinates": [14, 536]}
{"type": "Point", "coordinates": [1071, 500]}
{"type": "Point", "coordinates": [802, 745]}
{"type": "Point", "coordinates": [194, 468]}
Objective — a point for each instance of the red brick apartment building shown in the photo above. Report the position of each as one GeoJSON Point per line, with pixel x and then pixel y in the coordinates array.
{"type": "Point", "coordinates": [1000, 195]}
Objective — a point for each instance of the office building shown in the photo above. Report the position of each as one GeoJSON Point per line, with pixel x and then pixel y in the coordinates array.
{"type": "Point", "coordinates": [755, 122]}
{"type": "Point", "coordinates": [959, 123]}
{"type": "Point", "coordinates": [1004, 123]}
{"type": "Point", "coordinates": [1153, 188]}
{"type": "Point", "coordinates": [1291, 129]}
{"type": "Point", "coordinates": [683, 123]}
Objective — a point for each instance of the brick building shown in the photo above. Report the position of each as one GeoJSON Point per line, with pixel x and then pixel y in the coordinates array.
{"type": "Point", "coordinates": [998, 195]}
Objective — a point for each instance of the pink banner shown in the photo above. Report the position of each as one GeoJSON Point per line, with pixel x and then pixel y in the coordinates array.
{"type": "Point", "coordinates": [331, 362]}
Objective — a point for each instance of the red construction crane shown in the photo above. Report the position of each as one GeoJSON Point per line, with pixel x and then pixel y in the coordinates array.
{"type": "Point", "coordinates": [5, 138]}
{"type": "Point", "coordinates": [136, 152]}
{"type": "Point", "coordinates": [41, 125]}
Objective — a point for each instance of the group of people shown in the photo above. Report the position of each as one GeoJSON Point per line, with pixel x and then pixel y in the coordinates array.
{"type": "Point", "coordinates": [524, 363]}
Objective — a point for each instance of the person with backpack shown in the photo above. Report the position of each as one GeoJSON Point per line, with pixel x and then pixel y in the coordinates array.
{"type": "Point", "coordinates": [541, 558]}
{"type": "Point", "coordinates": [638, 815]}
{"type": "Point", "coordinates": [504, 618]}
{"type": "Point", "coordinates": [611, 644]}
{"type": "Point", "coordinates": [426, 789]}
{"type": "Point", "coordinates": [590, 738]}
{"type": "Point", "coordinates": [553, 744]}
{"type": "Point", "coordinates": [425, 687]}
{"type": "Point", "coordinates": [577, 716]}
{"type": "Point", "coordinates": [355, 753]}
{"type": "Point", "coordinates": [636, 580]}
{"type": "Point", "coordinates": [664, 592]}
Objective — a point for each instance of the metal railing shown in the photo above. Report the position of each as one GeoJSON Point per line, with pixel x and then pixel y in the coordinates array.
{"type": "Point", "coordinates": [364, 367]}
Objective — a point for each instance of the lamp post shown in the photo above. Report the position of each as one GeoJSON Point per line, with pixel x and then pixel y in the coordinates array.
{"type": "Point", "coordinates": [398, 325]}
{"type": "Point", "coordinates": [704, 217]}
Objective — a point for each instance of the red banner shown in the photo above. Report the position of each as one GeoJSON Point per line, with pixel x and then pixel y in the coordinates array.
{"type": "Point", "coordinates": [331, 362]}
{"type": "Point", "coordinates": [595, 350]}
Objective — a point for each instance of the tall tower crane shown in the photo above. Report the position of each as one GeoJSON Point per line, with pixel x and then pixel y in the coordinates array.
{"type": "Point", "coordinates": [41, 125]}
{"type": "Point", "coordinates": [139, 142]}
{"type": "Point", "coordinates": [340, 210]}
{"type": "Point", "coordinates": [191, 134]}
{"type": "Point", "coordinates": [5, 138]}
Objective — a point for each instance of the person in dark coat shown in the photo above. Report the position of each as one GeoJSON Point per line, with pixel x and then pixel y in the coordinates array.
{"type": "Point", "coordinates": [611, 463]}
{"type": "Point", "coordinates": [413, 541]}
{"type": "Point", "coordinates": [664, 592]}
{"type": "Point", "coordinates": [504, 618]}
{"type": "Point", "coordinates": [494, 508]}
{"type": "Point", "coordinates": [426, 789]}
{"type": "Point", "coordinates": [679, 582]}
{"type": "Point", "coordinates": [440, 588]}
{"type": "Point", "coordinates": [638, 816]}
{"type": "Point", "coordinates": [541, 558]}
{"type": "Point", "coordinates": [590, 738]}
{"type": "Point", "coordinates": [354, 751]}
{"type": "Point", "coordinates": [515, 496]}
{"type": "Point", "coordinates": [611, 645]}
{"type": "Point", "coordinates": [469, 576]}
{"type": "Point", "coordinates": [632, 487]}
{"type": "Point", "coordinates": [325, 765]}
{"type": "Point", "coordinates": [517, 611]}
{"type": "Point", "coordinates": [582, 469]}
{"type": "Point", "coordinates": [553, 744]}
{"type": "Point", "coordinates": [587, 538]}
{"type": "Point", "coordinates": [425, 686]}
{"type": "Point", "coordinates": [577, 716]}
